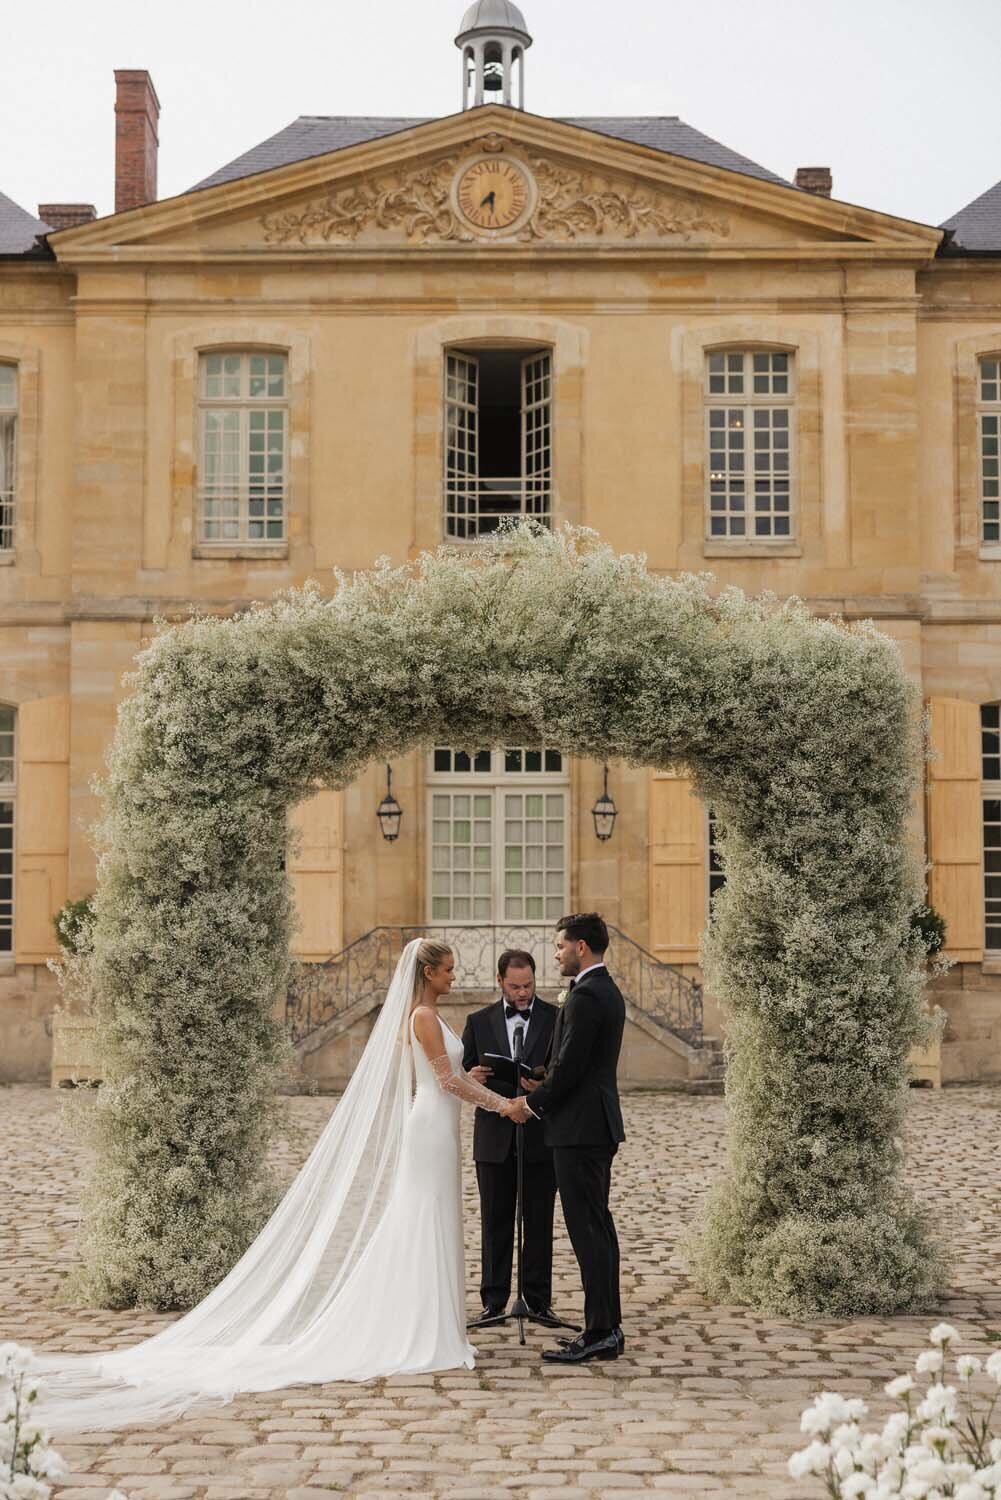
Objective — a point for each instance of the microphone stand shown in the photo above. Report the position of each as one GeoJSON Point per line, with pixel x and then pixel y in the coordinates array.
{"type": "Point", "coordinates": [520, 1308]}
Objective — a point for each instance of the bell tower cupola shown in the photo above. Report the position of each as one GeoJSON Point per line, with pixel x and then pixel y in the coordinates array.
{"type": "Point", "coordinates": [493, 38]}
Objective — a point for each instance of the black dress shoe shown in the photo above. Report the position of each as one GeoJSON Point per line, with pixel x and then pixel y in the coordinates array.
{"type": "Point", "coordinates": [490, 1314]}
{"type": "Point", "coordinates": [579, 1353]}
{"type": "Point", "coordinates": [546, 1317]}
{"type": "Point", "coordinates": [617, 1334]}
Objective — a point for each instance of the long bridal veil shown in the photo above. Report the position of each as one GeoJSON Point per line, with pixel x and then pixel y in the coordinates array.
{"type": "Point", "coordinates": [244, 1335]}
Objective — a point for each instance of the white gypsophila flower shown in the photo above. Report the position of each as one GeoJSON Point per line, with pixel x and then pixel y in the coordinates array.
{"type": "Point", "coordinates": [968, 1365]}
{"type": "Point", "coordinates": [14, 1357]}
{"type": "Point", "coordinates": [971, 1490]}
{"type": "Point", "coordinates": [929, 1362]}
{"type": "Point", "coordinates": [939, 1402]}
{"type": "Point", "coordinates": [25, 1487]}
{"type": "Point", "coordinates": [118, 1495]}
{"type": "Point", "coordinates": [848, 1435]}
{"type": "Point", "coordinates": [943, 1333]}
{"type": "Point", "coordinates": [811, 1460]}
{"type": "Point", "coordinates": [855, 1485]}
{"type": "Point", "coordinates": [46, 1462]}
{"type": "Point", "coordinates": [994, 1449]}
{"type": "Point", "coordinates": [993, 1365]}
{"type": "Point", "coordinates": [902, 1386]}
{"type": "Point", "coordinates": [936, 1437]}
{"type": "Point", "coordinates": [927, 1468]}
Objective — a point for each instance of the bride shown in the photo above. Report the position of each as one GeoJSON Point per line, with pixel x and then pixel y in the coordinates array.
{"type": "Point", "coordinates": [359, 1272]}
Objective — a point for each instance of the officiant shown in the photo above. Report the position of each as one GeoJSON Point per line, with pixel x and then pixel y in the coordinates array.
{"type": "Point", "coordinates": [494, 1029]}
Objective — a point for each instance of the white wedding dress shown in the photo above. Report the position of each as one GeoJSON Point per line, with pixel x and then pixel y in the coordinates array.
{"type": "Point", "coordinates": [360, 1271]}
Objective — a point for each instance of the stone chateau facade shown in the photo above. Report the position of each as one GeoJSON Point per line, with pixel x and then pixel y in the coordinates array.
{"type": "Point", "coordinates": [370, 336]}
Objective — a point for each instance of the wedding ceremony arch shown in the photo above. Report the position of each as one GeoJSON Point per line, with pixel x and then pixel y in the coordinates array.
{"type": "Point", "coordinates": [804, 736]}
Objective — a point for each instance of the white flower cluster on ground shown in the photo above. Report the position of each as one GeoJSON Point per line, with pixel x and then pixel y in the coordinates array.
{"type": "Point", "coordinates": [803, 734]}
{"type": "Point", "coordinates": [27, 1459]}
{"type": "Point", "coordinates": [938, 1447]}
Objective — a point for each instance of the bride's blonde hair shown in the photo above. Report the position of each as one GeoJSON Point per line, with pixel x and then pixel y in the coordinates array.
{"type": "Point", "coordinates": [429, 955]}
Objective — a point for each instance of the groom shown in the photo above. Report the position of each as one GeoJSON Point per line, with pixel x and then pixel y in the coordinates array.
{"type": "Point", "coordinates": [578, 1103]}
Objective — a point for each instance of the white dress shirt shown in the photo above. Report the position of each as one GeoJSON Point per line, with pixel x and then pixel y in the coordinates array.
{"type": "Point", "coordinates": [523, 1018]}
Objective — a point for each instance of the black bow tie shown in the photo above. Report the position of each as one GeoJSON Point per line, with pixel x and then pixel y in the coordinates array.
{"type": "Point", "coordinates": [512, 1010]}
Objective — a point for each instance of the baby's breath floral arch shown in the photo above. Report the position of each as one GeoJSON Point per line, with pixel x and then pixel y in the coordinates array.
{"type": "Point", "coordinates": [802, 734]}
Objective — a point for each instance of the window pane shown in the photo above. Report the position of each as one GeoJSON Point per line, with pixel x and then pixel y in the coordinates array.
{"type": "Point", "coordinates": [8, 386]}
{"type": "Point", "coordinates": [6, 745]}
{"type": "Point", "coordinates": [8, 478]}
{"type": "Point", "coordinates": [6, 877]}
{"type": "Point", "coordinates": [992, 874]}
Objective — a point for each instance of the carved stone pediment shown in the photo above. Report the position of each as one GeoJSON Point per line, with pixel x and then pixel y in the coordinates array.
{"type": "Point", "coordinates": [571, 203]}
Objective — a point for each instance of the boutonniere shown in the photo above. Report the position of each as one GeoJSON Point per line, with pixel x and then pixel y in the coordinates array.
{"type": "Point", "coordinates": [561, 998]}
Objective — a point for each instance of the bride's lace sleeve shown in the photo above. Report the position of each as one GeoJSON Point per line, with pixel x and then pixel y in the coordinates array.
{"type": "Point", "coordinates": [465, 1087]}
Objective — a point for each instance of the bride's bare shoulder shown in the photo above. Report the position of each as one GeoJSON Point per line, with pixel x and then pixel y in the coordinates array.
{"type": "Point", "coordinates": [426, 1021]}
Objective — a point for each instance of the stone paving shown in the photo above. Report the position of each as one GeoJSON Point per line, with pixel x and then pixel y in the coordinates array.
{"type": "Point", "coordinates": [705, 1403]}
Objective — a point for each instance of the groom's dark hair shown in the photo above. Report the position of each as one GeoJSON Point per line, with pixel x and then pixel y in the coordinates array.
{"type": "Point", "coordinates": [585, 927]}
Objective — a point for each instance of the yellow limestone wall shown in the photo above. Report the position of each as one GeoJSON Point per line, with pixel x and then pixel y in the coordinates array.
{"type": "Point", "coordinates": [107, 337]}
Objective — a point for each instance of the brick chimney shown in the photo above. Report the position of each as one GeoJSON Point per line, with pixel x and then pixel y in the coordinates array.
{"type": "Point", "coordinates": [65, 215]}
{"type": "Point", "coordinates": [137, 111]}
{"type": "Point", "coordinates": [815, 180]}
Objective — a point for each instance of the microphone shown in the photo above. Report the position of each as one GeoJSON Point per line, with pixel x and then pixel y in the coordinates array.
{"type": "Point", "coordinates": [519, 1043]}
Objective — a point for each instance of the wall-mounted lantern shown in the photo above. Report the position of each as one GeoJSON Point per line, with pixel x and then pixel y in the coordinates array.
{"type": "Point", "coordinates": [389, 812]}
{"type": "Point", "coordinates": [604, 812]}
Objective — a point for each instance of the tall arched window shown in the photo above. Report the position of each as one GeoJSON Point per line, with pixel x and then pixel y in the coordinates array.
{"type": "Point", "coordinates": [749, 449]}
{"type": "Point", "coordinates": [243, 442]}
{"type": "Point", "coordinates": [990, 741]}
{"type": "Point", "coordinates": [8, 455]}
{"type": "Point", "coordinates": [988, 439]}
{"type": "Point", "coordinates": [7, 775]}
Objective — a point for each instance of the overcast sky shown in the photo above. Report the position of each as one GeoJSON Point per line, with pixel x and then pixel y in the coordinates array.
{"type": "Point", "coordinates": [901, 98]}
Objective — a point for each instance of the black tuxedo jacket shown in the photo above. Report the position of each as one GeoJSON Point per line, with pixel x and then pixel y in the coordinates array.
{"type": "Point", "coordinates": [579, 1099]}
{"type": "Point", "coordinates": [486, 1031]}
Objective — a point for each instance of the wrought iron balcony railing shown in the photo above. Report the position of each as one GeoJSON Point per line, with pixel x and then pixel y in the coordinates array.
{"type": "Point", "coordinates": [476, 507]}
{"type": "Point", "coordinates": [355, 980]}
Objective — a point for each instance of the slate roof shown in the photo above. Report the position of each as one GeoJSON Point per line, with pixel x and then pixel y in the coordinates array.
{"type": "Point", "coordinates": [19, 229]}
{"type": "Point", "coordinates": [315, 135]}
{"type": "Point", "coordinates": [976, 229]}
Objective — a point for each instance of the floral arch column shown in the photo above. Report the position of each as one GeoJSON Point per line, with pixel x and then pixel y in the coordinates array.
{"type": "Point", "coordinates": [801, 732]}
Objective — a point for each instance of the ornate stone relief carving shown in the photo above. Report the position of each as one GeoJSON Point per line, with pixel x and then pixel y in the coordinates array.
{"type": "Point", "coordinates": [572, 205]}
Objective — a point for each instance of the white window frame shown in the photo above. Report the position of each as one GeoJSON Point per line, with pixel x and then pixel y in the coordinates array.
{"type": "Point", "coordinates": [243, 404]}
{"type": "Point", "coordinates": [743, 404]}
{"type": "Point", "coordinates": [989, 434]}
{"type": "Point", "coordinates": [496, 781]}
{"type": "Point", "coordinates": [990, 792]}
{"type": "Point", "coordinates": [8, 796]}
{"type": "Point", "coordinates": [530, 493]}
{"type": "Point", "coordinates": [8, 491]}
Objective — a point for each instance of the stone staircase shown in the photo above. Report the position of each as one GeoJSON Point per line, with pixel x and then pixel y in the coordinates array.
{"type": "Point", "coordinates": [332, 1006]}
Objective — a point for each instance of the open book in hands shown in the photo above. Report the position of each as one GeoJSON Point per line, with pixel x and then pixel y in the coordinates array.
{"type": "Point", "coordinates": [506, 1070]}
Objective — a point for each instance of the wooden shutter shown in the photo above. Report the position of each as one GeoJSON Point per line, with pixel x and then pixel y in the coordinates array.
{"type": "Point", "coordinates": [317, 874]}
{"type": "Point", "coordinates": [955, 826]}
{"type": "Point", "coordinates": [41, 826]}
{"type": "Point", "coordinates": [677, 869]}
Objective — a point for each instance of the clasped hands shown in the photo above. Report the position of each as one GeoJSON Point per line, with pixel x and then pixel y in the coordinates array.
{"type": "Point", "coordinates": [517, 1109]}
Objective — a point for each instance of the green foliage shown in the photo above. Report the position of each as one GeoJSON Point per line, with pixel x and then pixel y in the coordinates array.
{"type": "Point", "coordinates": [72, 923]}
{"type": "Point", "coordinates": [930, 926]}
{"type": "Point", "coordinates": [802, 733]}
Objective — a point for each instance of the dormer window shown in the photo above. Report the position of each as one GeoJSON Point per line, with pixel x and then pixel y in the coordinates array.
{"type": "Point", "coordinates": [498, 440]}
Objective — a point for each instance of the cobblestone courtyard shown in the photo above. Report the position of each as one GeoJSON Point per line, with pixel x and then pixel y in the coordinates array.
{"type": "Point", "coordinates": [706, 1401]}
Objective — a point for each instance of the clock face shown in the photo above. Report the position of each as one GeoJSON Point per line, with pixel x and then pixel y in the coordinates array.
{"type": "Point", "coordinates": [493, 194]}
